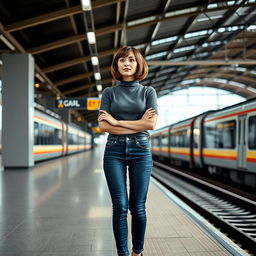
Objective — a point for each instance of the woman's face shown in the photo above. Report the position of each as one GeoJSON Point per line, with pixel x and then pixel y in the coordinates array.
{"type": "Point", "coordinates": [127, 66]}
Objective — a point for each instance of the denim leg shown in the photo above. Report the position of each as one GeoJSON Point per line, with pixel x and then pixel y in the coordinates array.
{"type": "Point", "coordinates": [115, 173]}
{"type": "Point", "coordinates": [139, 174]}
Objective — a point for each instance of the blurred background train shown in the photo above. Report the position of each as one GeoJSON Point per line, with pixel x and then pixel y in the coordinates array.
{"type": "Point", "coordinates": [220, 142]}
{"type": "Point", "coordinates": [54, 138]}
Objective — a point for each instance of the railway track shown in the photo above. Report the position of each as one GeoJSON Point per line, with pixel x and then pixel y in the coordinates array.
{"type": "Point", "coordinates": [231, 213]}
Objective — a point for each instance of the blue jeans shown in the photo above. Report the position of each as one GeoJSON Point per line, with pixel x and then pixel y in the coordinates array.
{"type": "Point", "coordinates": [122, 152]}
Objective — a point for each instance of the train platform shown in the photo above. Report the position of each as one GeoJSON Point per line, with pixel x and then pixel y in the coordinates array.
{"type": "Point", "coordinates": [62, 207]}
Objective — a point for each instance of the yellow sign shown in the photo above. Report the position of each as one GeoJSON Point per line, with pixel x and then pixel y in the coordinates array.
{"type": "Point", "coordinates": [93, 103]}
{"type": "Point", "coordinates": [97, 129]}
{"type": "Point", "coordinates": [60, 105]}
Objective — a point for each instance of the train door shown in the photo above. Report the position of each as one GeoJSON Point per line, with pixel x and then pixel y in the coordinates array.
{"type": "Point", "coordinates": [242, 141]}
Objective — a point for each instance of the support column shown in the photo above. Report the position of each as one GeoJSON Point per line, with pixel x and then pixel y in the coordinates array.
{"type": "Point", "coordinates": [65, 115]}
{"type": "Point", "coordinates": [18, 111]}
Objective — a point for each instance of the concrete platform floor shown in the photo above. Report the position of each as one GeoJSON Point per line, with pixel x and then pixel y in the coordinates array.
{"type": "Point", "coordinates": [62, 208]}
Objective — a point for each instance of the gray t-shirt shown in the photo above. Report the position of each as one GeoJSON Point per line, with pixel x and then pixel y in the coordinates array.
{"type": "Point", "coordinates": [129, 101]}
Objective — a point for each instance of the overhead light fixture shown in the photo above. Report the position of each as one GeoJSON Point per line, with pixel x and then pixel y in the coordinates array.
{"type": "Point", "coordinates": [37, 85]}
{"type": "Point", "coordinates": [7, 43]}
{"type": "Point", "coordinates": [91, 37]}
{"type": "Point", "coordinates": [1, 62]}
{"type": "Point", "coordinates": [99, 87]}
{"type": "Point", "coordinates": [86, 5]}
{"type": "Point", "coordinates": [95, 61]}
{"type": "Point", "coordinates": [252, 27]}
{"type": "Point", "coordinates": [97, 76]}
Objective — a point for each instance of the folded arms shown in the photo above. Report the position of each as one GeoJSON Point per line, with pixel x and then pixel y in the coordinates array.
{"type": "Point", "coordinates": [109, 124]}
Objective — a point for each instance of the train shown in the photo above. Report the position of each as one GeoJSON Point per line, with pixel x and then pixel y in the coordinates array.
{"type": "Point", "coordinates": [220, 142]}
{"type": "Point", "coordinates": [55, 138]}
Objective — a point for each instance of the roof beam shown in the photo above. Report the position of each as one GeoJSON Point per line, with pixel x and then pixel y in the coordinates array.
{"type": "Point", "coordinates": [20, 49]}
{"type": "Point", "coordinates": [224, 85]}
{"type": "Point", "coordinates": [235, 77]}
{"type": "Point", "coordinates": [72, 39]}
{"type": "Point", "coordinates": [195, 13]}
{"type": "Point", "coordinates": [201, 62]}
{"type": "Point", "coordinates": [124, 30]}
{"type": "Point", "coordinates": [79, 44]}
{"type": "Point", "coordinates": [48, 17]}
{"type": "Point", "coordinates": [78, 77]}
{"type": "Point", "coordinates": [111, 29]}
{"type": "Point", "coordinates": [230, 12]}
{"type": "Point", "coordinates": [210, 82]}
{"type": "Point", "coordinates": [118, 10]}
{"type": "Point", "coordinates": [202, 7]}
{"type": "Point", "coordinates": [156, 29]}
{"type": "Point", "coordinates": [229, 88]}
{"type": "Point", "coordinates": [83, 87]}
{"type": "Point", "coordinates": [60, 14]}
{"type": "Point", "coordinates": [57, 44]}
{"type": "Point", "coordinates": [76, 61]}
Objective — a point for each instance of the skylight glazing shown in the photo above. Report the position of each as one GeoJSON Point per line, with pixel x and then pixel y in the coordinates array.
{"type": "Point", "coordinates": [164, 40]}
{"type": "Point", "coordinates": [185, 103]}
{"type": "Point", "coordinates": [157, 55]}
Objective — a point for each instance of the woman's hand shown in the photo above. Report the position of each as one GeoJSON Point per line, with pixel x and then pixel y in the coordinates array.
{"type": "Point", "coordinates": [105, 116]}
{"type": "Point", "coordinates": [149, 113]}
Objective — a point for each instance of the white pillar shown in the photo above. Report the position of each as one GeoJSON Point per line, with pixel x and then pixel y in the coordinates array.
{"type": "Point", "coordinates": [18, 110]}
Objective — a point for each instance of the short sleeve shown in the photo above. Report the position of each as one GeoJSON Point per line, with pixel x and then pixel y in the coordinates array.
{"type": "Point", "coordinates": [105, 100]}
{"type": "Point", "coordinates": [152, 99]}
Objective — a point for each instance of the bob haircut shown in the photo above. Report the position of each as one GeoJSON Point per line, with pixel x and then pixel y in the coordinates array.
{"type": "Point", "coordinates": [142, 66]}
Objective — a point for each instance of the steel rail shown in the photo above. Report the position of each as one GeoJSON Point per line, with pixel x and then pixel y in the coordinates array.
{"type": "Point", "coordinates": [232, 213]}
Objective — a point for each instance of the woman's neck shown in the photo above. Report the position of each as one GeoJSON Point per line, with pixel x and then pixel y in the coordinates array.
{"type": "Point", "coordinates": [128, 79]}
{"type": "Point", "coordinates": [128, 83]}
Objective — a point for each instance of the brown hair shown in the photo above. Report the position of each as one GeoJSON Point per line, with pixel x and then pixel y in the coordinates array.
{"type": "Point", "coordinates": [142, 67]}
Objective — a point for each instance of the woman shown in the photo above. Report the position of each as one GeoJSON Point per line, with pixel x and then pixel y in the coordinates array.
{"type": "Point", "coordinates": [128, 110]}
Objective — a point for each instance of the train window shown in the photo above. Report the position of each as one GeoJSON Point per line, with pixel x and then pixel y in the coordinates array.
{"type": "Point", "coordinates": [70, 139]}
{"type": "Point", "coordinates": [221, 135]}
{"type": "Point", "coordinates": [41, 133]}
{"type": "Point", "coordinates": [180, 139]}
{"type": "Point", "coordinates": [186, 138]}
{"type": "Point", "coordinates": [36, 133]}
{"type": "Point", "coordinates": [252, 133]}
{"type": "Point", "coordinates": [51, 135]}
{"type": "Point", "coordinates": [209, 136]}
{"type": "Point", "coordinates": [165, 141]}
{"type": "Point", "coordinates": [57, 137]}
{"type": "Point", "coordinates": [48, 135]}
{"type": "Point", "coordinates": [76, 139]}
{"type": "Point", "coordinates": [227, 134]}
{"type": "Point", "coordinates": [156, 142]}
{"type": "Point", "coordinates": [173, 140]}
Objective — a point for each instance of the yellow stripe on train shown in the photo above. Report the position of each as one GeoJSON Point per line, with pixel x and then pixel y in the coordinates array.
{"type": "Point", "coordinates": [220, 153]}
{"type": "Point", "coordinates": [251, 156]}
{"type": "Point", "coordinates": [155, 149]}
{"type": "Point", "coordinates": [180, 151]}
{"type": "Point", "coordinates": [165, 149]}
{"type": "Point", "coordinates": [196, 152]}
{"type": "Point", "coordinates": [47, 149]}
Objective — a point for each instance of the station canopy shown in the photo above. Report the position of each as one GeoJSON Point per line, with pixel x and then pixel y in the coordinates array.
{"type": "Point", "coordinates": [185, 42]}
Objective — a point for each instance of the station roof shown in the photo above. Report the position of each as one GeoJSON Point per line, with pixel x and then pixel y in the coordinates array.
{"type": "Point", "coordinates": [186, 43]}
